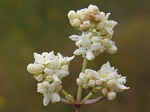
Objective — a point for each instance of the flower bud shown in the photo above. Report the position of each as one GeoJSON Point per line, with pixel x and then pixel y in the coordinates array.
{"type": "Point", "coordinates": [85, 86]}
{"type": "Point", "coordinates": [79, 13]}
{"type": "Point", "coordinates": [91, 83]}
{"type": "Point", "coordinates": [86, 24]}
{"type": "Point", "coordinates": [83, 77]}
{"type": "Point", "coordinates": [99, 26]}
{"type": "Point", "coordinates": [97, 18]}
{"type": "Point", "coordinates": [94, 9]}
{"type": "Point", "coordinates": [113, 49]}
{"type": "Point", "coordinates": [98, 82]}
{"type": "Point", "coordinates": [35, 68]}
{"type": "Point", "coordinates": [76, 22]}
{"type": "Point", "coordinates": [49, 78]}
{"type": "Point", "coordinates": [71, 15]}
{"type": "Point", "coordinates": [111, 95]}
{"type": "Point", "coordinates": [79, 82]}
{"type": "Point", "coordinates": [111, 83]}
{"type": "Point", "coordinates": [102, 14]}
{"type": "Point", "coordinates": [39, 78]}
{"type": "Point", "coordinates": [106, 42]}
{"type": "Point", "coordinates": [104, 91]}
{"type": "Point", "coordinates": [95, 39]}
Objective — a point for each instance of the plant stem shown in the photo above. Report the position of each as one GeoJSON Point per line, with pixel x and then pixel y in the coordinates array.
{"type": "Point", "coordinates": [84, 64]}
{"type": "Point", "coordinates": [68, 96]}
{"type": "Point", "coordinates": [79, 93]}
{"type": "Point", "coordinates": [78, 110]}
{"type": "Point", "coordinates": [87, 97]}
{"type": "Point", "coordinates": [96, 100]}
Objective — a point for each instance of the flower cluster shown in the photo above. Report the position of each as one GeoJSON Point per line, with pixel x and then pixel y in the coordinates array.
{"type": "Point", "coordinates": [92, 19]}
{"type": "Point", "coordinates": [91, 45]}
{"type": "Point", "coordinates": [106, 80]}
{"type": "Point", "coordinates": [49, 70]}
{"type": "Point", "coordinates": [96, 29]}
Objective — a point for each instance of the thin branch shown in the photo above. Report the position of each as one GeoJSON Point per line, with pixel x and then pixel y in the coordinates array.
{"type": "Point", "coordinates": [96, 100]}
{"type": "Point", "coordinates": [65, 100]}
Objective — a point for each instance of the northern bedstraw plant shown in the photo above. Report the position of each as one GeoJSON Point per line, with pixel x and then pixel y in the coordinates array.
{"type": "Point", "coordinates": [96, 37]}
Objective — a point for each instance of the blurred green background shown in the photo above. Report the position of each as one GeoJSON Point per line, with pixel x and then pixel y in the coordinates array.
{"type": "Point", "coordinates": [28, 26]}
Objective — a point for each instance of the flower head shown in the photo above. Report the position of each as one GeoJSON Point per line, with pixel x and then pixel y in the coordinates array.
{"type": "Point", "coordinates": [49, 92]}
{"type": "Point", "coordinates": [49, 67]}
{"type": "Point", "coordinates": [49, 70]}
{"type": "Point", "coordinates": [91, 45]}
{"type": "Point", "coordinates": [92, 18]}
{"type": "Point", "coordinates": [106, 80]}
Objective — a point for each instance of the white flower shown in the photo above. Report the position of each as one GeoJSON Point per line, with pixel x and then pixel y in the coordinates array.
{"type": "Point", "coordinates": [113, 80]}
{"type": "Point", "coordinates": [108, 25]}
{"type": "Point", "coordinates": [86, 47]}
{"type": "Point", "coordinates": [35, 68]}
{"type": "Point", "coordinates": [106, 68]}
{"type": "Point", "coordinates": [105, 80]}
{"type": "Point", "coordinates": [44, 58]}
{"type": "Point", "coordinates": [55, 68]}
{"type": "Point", "coordinates": [64, 60]}
{"type": "Point", "coordinates": [92, 19]}
{"type": "Point", "coordinates": [48, 90]}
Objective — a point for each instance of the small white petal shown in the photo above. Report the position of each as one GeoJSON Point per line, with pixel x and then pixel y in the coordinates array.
{"type": "Point", "coordinates": [46, 100]}
{"type": "Point", "coordinates": [122, 87]}
{"type": "Point", "coordinates": [48, 71]}
{"type": "Point", "coordinates": [105, 67]}
{"type": "Point", "coordinates": [111, 75]}
{"type": "Point", "coordinates": [55, 77]}
{"type": "Point", "coordinates": [55, 97]}
{"type": "Point", "coordinates": [38, 58]}
{"type": "Point", "coordinates": [107, 16]}
{"type": "Point", "coordinates": [74, 37]}
{"type": "Point", "coordinates": [89, 55]}
{"type": "Point", "coordinates": [62, 73]}
{"type": "Point", "coordinates": [95, 46]}
{"type": "Point", "coordinates": [51, 88]}
{"type": "Point", "coordinates": [79, 51]}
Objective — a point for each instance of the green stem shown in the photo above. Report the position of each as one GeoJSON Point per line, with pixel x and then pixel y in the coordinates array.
{"type": "Point", "coordinates": [68, 96]}
{"type": "Point", "coordinates": [87, 97]}
{"type": "Point", "coordinates": [79, 93]}
{"type": "Point", "coordinates": [84, 64]}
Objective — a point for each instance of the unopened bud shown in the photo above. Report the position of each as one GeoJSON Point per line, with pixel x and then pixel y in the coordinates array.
{"type": "Point", "coordinates": [111, 83]}
{"type": "Point", "coordinates": [76, 22]}
{"type": "Point", "coordinates": [113, 49]}
{"type": "Point", "coordinates": [39, 78]}
{"type": "Point", "coordinates": [79, 82]}
{"type": "Point", "coordinates": [49, 78]}
{"type": "Point", "coordinates": [86, 24]}
{"type": "Point", "coordinates": [85, 86]}
{"type": "Point", "coordinates": [99, 82]}
{"type": "Point", "coordinates": [94, 9]}
{"type": "Point", "coordinates": [111, 95]}
{"type": "Point", "coordinates": [91, 83]}
{"type": "Point", "coordinates": [104, 91]}
{"type": "Point", "coordinates": [71, 15]}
